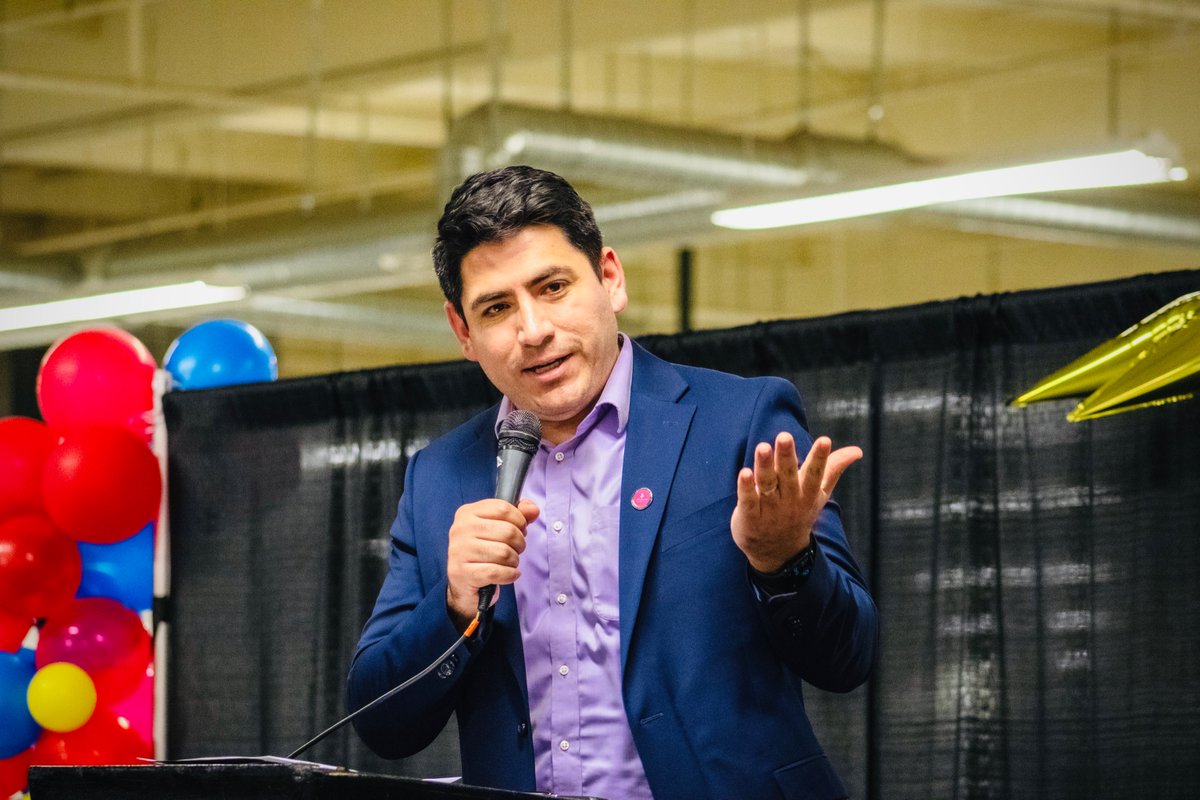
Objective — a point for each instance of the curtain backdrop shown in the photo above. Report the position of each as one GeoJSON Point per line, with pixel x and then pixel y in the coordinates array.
{"type": "Point", "coordinates": [1036, 578]}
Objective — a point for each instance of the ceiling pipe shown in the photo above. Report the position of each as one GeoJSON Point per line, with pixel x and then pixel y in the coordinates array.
{"type": "Point", "coordinates": [1157, 227]}
{"type": "Point", "coordinates": [643, 156]}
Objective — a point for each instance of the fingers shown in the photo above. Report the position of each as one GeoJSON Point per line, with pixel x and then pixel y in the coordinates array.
{"type": "Point", "coordinates": [839, 461]}
{"type": "Point", "coordinates": [774, 468]}
{"type": "Point", "coordinates": [747, 493]}
{"type": "Point", "coordinates": [812, 473]}
{"type": "Point", "coordinates": [486, 541]}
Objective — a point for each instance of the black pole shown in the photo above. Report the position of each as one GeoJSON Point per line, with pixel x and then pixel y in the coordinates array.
{"type": "Point", "coordinates": [685, 290]}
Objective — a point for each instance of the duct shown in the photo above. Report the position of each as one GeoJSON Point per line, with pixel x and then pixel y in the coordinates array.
{"type": "Point", "coordinates": [648, 157]}
{"type": "Point", "coordinates": [1162, 228]}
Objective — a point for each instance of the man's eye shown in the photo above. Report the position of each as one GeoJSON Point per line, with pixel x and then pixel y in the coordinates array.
{"type": "Point", "coordinates": [494, 309]}
{"type": "Point", "coordinates": [554, 287]}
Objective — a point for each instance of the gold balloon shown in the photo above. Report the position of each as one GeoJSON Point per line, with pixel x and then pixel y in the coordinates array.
{"type": "Point", "coordinates": [1166, 373]}
{"type": "Point", "coordinates": [1112, 359]}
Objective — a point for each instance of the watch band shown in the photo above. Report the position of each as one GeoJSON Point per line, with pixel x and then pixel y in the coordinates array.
{"type": "Point", "coordinates": [791, 576]}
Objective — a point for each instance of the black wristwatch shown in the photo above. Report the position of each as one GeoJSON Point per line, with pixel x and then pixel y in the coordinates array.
{"type": "Point", "coordinates": [791, 576]}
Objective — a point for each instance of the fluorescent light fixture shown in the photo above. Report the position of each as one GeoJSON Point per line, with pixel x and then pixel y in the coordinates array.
{"type": "Point", "coordinates": [117, 304]}
{"type": "Point", "coordinates": [1124, 168]}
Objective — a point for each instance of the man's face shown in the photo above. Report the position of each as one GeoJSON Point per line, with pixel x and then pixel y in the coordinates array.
{"type": "Point", "coordinates": [541, 324]}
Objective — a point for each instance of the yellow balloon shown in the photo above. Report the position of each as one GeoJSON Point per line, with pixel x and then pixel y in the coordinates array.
{"type": "Point", "coordinates": [61, 697]}
{"type": "Point", "coordinates": [1109, 360]}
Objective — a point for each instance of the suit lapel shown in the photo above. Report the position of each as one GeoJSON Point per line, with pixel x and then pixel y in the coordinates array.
{"type": "Point", "coordinates": [658, 426]}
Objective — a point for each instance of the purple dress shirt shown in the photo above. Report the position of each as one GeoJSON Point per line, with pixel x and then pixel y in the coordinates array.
{"type": "Point", "coordinates": [567, 604]}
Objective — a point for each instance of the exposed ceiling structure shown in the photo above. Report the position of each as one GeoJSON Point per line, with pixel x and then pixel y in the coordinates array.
{"type": "Point", "coordinates": [302, 149]}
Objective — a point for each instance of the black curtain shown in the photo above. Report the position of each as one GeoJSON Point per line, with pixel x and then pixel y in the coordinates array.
{"type": "Point", "coordinates": [1036, 578]}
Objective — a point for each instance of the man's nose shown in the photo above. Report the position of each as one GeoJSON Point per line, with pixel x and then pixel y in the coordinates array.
{"type": "Point", "coordinates": [536, 327]}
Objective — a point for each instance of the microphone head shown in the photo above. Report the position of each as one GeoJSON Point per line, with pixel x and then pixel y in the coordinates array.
{"type": "Point", "coordinates": [521, 430]}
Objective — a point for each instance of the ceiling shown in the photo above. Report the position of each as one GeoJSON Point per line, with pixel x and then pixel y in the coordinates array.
{"type": "Point", "coordinates": [303, 149]}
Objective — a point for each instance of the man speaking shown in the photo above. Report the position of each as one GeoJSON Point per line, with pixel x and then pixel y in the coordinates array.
{"type": "Point", "coordinates": [670, 575]}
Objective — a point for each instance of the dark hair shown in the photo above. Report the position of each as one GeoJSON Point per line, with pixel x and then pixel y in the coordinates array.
{"type": "Point", "coordinates": [493, 206]}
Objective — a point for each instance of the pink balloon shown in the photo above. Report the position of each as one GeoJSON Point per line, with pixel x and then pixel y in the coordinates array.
{"type": "Point", "coordinates": [105, 639]}
{"type": "Point", "coordinates": [24, 445]}
{"type": "Point", "coordinates": [40, 569]}
{"type": "Point", "coordinates": [102, 376]}
{"type": "Point", "coordinates": [101, 484]}
{"type": "Point", "coordinates": [138, 709]}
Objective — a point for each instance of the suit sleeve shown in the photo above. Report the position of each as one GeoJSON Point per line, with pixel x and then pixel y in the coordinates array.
{"type": "Point", "coordinates": [407, 631]}
{"type": "Point", "coordinates": [828, 631]}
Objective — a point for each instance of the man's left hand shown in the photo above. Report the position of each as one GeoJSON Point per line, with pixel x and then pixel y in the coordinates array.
{"type": "Point", "coordinates": [779, 500]}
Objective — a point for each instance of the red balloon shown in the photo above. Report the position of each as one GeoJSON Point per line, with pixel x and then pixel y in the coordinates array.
{"type": "Point", "coordinates": [101, 484]}
{"type": "Point", "coordinates": [102, 376]}
{"type": "Point", "coordinates": [104, 739]}
{"type": "Point", "coordinates": [13, 631]}
{"type": "Point", "coordinates": [14, 773]}
{"type": "Point", "coordinates": [24, 445]}
{"type": "Point", "coordinates": [102, 637]}
{"type": "Point", "coordinates": [40, 567]}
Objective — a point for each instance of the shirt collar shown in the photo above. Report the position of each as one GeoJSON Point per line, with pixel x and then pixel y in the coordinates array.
{"type": "Point", "coordinates": [615, 394]}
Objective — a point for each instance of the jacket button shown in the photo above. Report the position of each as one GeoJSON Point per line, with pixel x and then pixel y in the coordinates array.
{"type": "Point", "coordinates": [446, 668]}
{"type": "Point", "coordinates": [522, 728]}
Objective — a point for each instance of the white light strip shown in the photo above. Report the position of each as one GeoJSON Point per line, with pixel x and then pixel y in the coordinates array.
{"type": "Point", "coordinates": [1124, 168]}
{"type": "Point", "coordinates": [117, 304]}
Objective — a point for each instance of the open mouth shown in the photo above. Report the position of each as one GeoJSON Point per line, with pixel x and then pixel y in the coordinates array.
{"type": "Point", "coordinates": [542, 369]}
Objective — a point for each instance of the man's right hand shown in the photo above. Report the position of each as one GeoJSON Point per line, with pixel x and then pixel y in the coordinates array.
{"type": "Point", "coordinates": [486, 541]}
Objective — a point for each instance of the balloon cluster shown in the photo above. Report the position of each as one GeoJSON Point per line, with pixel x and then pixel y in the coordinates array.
{"type": "Point", "coordinates": [78, 498]}
{"type": "Point", "coordinates": [78, 502]}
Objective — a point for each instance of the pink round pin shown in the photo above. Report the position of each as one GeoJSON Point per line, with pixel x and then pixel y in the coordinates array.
{"type": "Point", "coordinates": [642, 498]}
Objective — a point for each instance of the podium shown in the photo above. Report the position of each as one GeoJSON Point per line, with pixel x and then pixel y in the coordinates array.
{"type": "Point", "coordinates": [249, 780]}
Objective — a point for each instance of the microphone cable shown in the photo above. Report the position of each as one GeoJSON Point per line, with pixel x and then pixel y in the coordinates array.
{"type": "Point", "coordinates": [393, 691]}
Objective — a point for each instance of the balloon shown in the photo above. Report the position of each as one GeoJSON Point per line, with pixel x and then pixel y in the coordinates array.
{"type": "Point", "coordinates": [18, 730]}
{"type": "Point", "coordinates": [220, 352]}
{"type": "Point", "coordinates": [13, 630]}
{"type": "Point", "coordinates": [102, 376]}
{"type": "Point", "coordinates": [105, 639]}
{"type": "Point", "coordinates": [14, 773]}
{"type": "Point", "coordinates": [138, 709]}
{"type": "Point", "coordinates": [24, 445]}
{"type": "Point", "coordinates": [40, 568]}
{"type": "Point", "coordinates": [101, 484]}
{"type": "Point", "coordinates": [61, 697]}
{"type": "Point", "coordinates": [122, 570]}
{"type": "Point", "coordinates": [105, 739]}
{"type": "Point", "coordinates": [1167, 372]}
{"type": "Point", "coordinates": [1108, 360]}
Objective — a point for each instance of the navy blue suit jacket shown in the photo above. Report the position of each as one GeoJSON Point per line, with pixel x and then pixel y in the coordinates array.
{"type": "Point", "coordinates": [711, 674]}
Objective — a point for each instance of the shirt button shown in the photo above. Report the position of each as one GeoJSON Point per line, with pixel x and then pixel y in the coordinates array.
{"type": "Point", "coordinates": [561, 599]}
{"type": "Point", "coordinates": [563, 670]}
{"type": "Point", "coordinates": [559, 457]}
{"type": "Point", "coordinates": [557, 526]}
{"type": "Point", "coordinates": [564, 745]}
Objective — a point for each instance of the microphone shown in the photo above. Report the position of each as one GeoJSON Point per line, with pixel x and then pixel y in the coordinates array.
{"type": "Point", "coordinates": [518, 440]}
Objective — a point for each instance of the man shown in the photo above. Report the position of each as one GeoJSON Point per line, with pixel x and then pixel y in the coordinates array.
{"type": "Point", "coordinates": [670, 575]}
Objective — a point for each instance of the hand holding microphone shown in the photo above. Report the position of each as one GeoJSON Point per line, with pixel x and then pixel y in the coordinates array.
{"type": "Point", "coordinates": [488, 536]}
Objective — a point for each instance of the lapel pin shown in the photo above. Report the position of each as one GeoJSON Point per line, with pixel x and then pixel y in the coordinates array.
{"type": "Point", "coordinates": [642, 498]}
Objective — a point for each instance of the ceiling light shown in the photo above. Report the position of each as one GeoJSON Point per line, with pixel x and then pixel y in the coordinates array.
{"type": "Point", "coordinates": [118, 304]}
{"type": "Point", "coordinates": [1123, 168]}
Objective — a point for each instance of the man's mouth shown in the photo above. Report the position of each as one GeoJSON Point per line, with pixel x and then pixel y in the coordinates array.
{"type": "Point", "coordinates": [546, 366]}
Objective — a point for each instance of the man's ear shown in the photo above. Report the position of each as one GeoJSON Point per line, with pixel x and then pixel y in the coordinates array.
{"type": "Point", "coordinates": [612, 275]}
{"type": "Point", "coordinates": [459, 326]}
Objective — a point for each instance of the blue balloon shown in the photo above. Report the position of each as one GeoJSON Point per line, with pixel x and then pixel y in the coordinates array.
{"type": "Point", "coordinates": [18, 730]}
{"type": "Point", "coordinates": [122, 570]}
{"type": "Point", "coordinates": [220, 352]}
